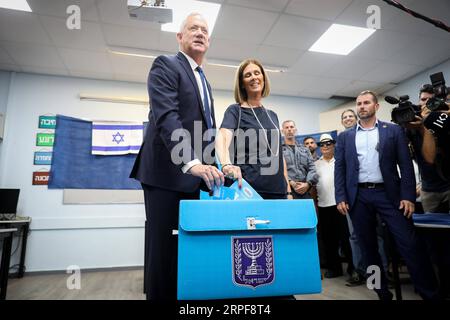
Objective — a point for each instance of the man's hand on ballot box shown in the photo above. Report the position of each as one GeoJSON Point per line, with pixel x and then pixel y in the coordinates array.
{"type": "Point", "coordinates": [210, 174]}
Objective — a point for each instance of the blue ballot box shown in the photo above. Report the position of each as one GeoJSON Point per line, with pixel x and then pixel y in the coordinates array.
{"type": "Point", "coordinates": [247, 248]}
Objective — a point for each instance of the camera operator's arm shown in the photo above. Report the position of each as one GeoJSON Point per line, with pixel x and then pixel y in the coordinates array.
{"type": "Point", "coordinates": [428, 147]}
{"type": "Point", "coordinates": [429, 142]}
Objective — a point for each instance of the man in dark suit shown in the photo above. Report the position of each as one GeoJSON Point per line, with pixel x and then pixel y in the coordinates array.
{"type": "Point", "coordinates": [181, 108]}
{"type": "Point", "coordinates": [367, 183]}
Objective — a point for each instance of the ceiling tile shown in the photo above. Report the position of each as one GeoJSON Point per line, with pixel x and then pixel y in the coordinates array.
{"type": "Point", "coordinates": [9, 67]}
{"type": "Point", "coordinates": [226, 50]}
{"type": "Point", "coordinates": [288, 82]}
{"type": "Point", "coordinates": [34, 55]}
{"type": "Point", "coordinates": [383, 44]}
{"type": "Point", "coordinates": [270, 5]}
{"type": "Point", "coordinates": [435, 9]}
{"type": "Point", "coordinates": [355, 87]}
{"type": "Point", "coordinates": [130, 78]}
{"type": "Point", "coordinates": [89, 37]}
{"type": "Point", "coordinates": [296, 32]}
{"type": "Point", "coordinates": [80, 60]}
{"type": "Point", "coordinates": [320, 9]}
{"type": "Point", "coordinates": [116, 35]}
{"type": "Point", "coordinates": [390, 72]}
{"type": "Point", "coordinates": [220, 78]}
{"type": "Point", "coordinates": [92, 75]}
{"type": "Point", "coordinates": [315, 63]}
{"type": "Point", "coordinates": [277, 56]}
{"type": "Point", "coordinates": [88, 10]}
{"type": "Point", "coordinates": [248, 25]}
{"type": "Point", "coordinates": [356, 13]}
{"type": "Point", "coordinates": [423, 51]}
{"type": "Point", "coordinates": [167, 42]}
{"type": "Point", "coordinates": [325, 84]}
{"type": "Point", "coordinates": [352, 68]}
{"type": "Point", "coordinates": [22, 26]}
{"type": "Point", "coordinates": [51, 71]}
{"type": "Point", "coordinates": [130, 65]}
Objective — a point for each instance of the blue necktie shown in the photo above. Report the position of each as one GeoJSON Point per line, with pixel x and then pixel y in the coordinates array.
{"type": "Point", "coordinates": [205, 98]}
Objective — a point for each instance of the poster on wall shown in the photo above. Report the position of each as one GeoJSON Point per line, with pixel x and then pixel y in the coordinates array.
{"type": "Point", "coordinates": [47, 122]}
{"type": "Point", "coordinates": [45, 139]}
{"type": "Point", "coordinates": [40, 178]}
{"type": "Point", "coordinates": [42, 158]}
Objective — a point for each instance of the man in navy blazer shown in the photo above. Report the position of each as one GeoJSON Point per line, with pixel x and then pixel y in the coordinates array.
{"type": "Point", "coordinates": [171, 164]}
{"type": "Point", "coordinates": [369, 157]}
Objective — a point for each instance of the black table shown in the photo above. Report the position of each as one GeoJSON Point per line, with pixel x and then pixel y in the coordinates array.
{"type": "Point", "coordinates": [22, 224]}
{"type": "Point", "coordinates": [6, 235]}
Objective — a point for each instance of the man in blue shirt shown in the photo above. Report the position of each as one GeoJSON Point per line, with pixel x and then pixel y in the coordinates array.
{"type": "Point", "coordinates": [367, 183]}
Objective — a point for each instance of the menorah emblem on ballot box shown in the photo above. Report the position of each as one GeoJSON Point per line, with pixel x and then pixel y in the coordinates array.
{"type": "Point", "coordinates": [253, 251]}
{"type": "Point", "coordinates": [253, 260]}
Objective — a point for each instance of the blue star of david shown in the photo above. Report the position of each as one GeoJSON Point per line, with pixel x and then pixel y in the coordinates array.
{"type": "Point", "coordinates": [118, 137]}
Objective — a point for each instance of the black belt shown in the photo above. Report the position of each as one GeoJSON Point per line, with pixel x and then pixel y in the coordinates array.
{"type": "Point", "coordinates": [370, 185]}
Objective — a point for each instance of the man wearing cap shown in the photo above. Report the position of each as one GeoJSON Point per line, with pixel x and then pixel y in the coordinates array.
{"type": "Point", "coordinates": [300, 164]}
{"type": "Point", "coordinates": [367, 182]}
{"type": "Point", "coordinates": [332, 225]}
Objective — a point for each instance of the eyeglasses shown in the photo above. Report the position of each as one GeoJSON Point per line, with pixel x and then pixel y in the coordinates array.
{"type": "Point", "coordinates": [326, 143]}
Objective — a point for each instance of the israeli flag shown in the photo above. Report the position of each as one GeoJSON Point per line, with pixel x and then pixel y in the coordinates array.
{"type": "Point", "coordinates": [116, 138]}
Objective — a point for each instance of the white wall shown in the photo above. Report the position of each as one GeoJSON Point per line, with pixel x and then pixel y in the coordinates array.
{"type": "Point", "coordinates": [91, 236]}
{"type": "Point", "coordinates": [331, 119]}
{"type": "Point", "coordinates": [5, 78]}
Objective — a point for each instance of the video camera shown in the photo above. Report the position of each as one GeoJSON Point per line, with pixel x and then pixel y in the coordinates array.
{"type": "Point", "coordinates": [437, 103]}
{"type": "Point", "coordinates": [438, 122]}
{"type": "Point", "coordinates": [405, 112]}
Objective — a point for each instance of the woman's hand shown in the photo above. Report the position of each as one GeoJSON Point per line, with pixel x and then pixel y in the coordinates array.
{"type": "Point", "coordinates": [233, 172]}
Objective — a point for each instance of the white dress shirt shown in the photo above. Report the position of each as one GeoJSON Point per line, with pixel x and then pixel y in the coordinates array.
{"type": "Point", "coordinates": [325, 186]}
{"type": "Point", "coordinates": [367, 145]}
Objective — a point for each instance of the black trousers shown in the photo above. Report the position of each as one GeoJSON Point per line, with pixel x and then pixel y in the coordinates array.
{"type": "Point", "coordinates": [367, 204]}
{"type": "Point", "coordinates": [333, 230]}
{"type": "Point", "coordinates": [161, 247]}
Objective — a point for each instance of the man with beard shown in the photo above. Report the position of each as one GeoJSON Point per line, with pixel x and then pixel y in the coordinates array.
{"type": "Point", "coordinates": [367, 183]}
{"type": "Point", "coordinates": [311, 144]}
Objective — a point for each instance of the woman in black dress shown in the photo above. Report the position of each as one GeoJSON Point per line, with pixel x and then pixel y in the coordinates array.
{"type": "Point", "coordinates": [249, 141]}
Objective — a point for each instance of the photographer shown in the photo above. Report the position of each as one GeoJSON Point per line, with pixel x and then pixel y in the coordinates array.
{"type": "Point", "coordinates": [435, 187]}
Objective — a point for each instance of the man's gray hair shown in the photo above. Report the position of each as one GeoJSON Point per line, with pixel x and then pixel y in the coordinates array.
{"type": "Point", "coordinates": [183, 24]}
{"type": "Point", "coordinates": [286, 121]}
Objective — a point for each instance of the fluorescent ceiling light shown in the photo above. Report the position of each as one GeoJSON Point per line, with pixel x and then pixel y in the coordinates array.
{"type": "Point", "coordinates": [135, 52]}
{"type": "Point", "coordinates": [139, 55]}
{"type": "Point", "coordinates": [21, 5]}
{"type": "Point", "coordinates": [341, 39]}
{"type": "Point", "coordinates": [235, 65]}
{"type": "Point", "coordinates": [115, 99]}
{"type": "Point", "coordinates": [181, 8]}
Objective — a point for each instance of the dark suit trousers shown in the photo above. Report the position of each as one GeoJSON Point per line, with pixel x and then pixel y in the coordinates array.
{"type": "Point", "coordinates": [161, 247]}
{"type": "Point", "coordinates": [368, 203]}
